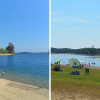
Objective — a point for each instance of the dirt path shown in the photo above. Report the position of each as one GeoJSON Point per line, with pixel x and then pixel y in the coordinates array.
{"type": "Point", "coordinates": [70, 96]}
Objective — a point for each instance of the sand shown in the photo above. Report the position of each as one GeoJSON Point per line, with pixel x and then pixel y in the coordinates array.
{"type": "Point", "coordinates": [10, 90]}
{"type": "Point", "coordinates": [6, 54]}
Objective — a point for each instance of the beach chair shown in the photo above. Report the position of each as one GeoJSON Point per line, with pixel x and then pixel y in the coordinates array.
{"type": "Point", "coordinates": [86, 71]}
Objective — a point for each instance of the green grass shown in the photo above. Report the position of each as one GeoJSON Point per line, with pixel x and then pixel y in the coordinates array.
{"type": "Point", "coordinates": [3, 53]}
{"type": "Point", "coordinates": [62, 81]}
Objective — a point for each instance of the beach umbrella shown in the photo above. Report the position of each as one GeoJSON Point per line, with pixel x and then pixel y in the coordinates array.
{"type": "Point", "coordinates": [74, 62]}
{"type": "Point", "coordinates": [57, 61]}
{"type": "Point", "coordinates": [71, 61]}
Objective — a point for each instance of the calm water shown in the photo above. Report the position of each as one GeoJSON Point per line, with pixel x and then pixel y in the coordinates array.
{"type": "Point", "coordinates": [32, 69]}
{"type": "Point", "coordinates": [65, 58]}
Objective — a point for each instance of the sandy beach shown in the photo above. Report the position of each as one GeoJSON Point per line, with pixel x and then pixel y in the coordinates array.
{"type": "Point", "coordinates": [6, 54]}
{"type": "Point", "coordinates": [10, 90]}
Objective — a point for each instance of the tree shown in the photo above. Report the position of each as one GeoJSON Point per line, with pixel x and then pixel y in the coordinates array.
{"type": "Point", "coordinates": [1, 50]}
{"type": "Point", "coordinates": [10, 48]}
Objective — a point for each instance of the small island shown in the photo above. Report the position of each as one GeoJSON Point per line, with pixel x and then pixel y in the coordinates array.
{"type": "Point", "coordinates": [8, 51]}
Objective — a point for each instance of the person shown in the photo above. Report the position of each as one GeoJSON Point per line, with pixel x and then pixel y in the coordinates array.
{"type": "Point", "coordinates": [82, 65]}
{"type": "Point", "coordinates": [78, 73]}
{"type": "Point", "coordinates": [58, 67]}
{"type": "Point", "coordinates": [87, 64]}
{"type": "Point", "coordinates": [55, 67]}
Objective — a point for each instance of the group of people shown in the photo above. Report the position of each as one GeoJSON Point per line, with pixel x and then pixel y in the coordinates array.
{"type": "Point", "coordinates": [87, 65]}
{"type": "Point", "coordinates": [82, 65]}
{"type": "Point", "coordinates": [57, 67]}
{"type": "Point", "coordinates": [93, 63]}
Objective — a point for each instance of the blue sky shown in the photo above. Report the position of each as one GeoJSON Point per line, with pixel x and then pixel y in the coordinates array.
{"type": "Point", "coordinates": [75, 23]}
{"type": "Point", "coordinates": [25, 23]}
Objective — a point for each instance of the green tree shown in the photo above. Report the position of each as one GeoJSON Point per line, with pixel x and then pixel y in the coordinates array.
{"type": "Point", "coordinates": [2, 50]}
{"type": "Point", "coordinates": [10, 48]}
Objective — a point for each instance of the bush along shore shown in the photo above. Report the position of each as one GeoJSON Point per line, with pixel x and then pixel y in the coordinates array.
{"type": "Point", "coordinates": [8, 51]}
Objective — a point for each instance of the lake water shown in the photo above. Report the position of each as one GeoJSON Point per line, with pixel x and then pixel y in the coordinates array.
{"type": "Point", "coordinates": [31, 69]}
{"type": "Point", "coordinates": [65, 58]}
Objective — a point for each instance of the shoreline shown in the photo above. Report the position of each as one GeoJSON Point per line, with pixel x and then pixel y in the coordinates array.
{"type": "Point", "coordinates": [36, 86]}
{"type": "Point", "coordinates": [71, 65]}
{"type": "Point", "coordinates": [93, 57]}
{"type": "Point", "coordinates": [6, 54]}
{"type": "Point", "coordinates": [18, 91]}
{"type": "Point", "coordinates": [77, 54]}
{"type": "Point", "coordinates": [90, 67]}
{"type": "Point", "coordinates": [62, 53]}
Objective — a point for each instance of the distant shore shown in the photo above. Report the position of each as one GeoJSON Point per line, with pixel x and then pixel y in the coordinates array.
{"type": "Point", "coordinates": [62, 53]}
{"type": "Point", "coordinates": [10, 90]}
{"type": "Point", "coordinates": [77, 54]}
{"type": "Point", "coordinates": [6, 54]}
{"type": "Point", "coordinates": [92, 57]}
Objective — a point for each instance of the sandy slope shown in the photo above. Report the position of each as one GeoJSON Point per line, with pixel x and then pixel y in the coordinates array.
{"type": "Point", "coordinates": [10, 90]}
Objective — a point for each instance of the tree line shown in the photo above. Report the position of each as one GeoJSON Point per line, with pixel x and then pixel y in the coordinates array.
{"type": "Point", "coordinates": [8, 49]}
{"type": "Point", "coordinates": [89, 51]}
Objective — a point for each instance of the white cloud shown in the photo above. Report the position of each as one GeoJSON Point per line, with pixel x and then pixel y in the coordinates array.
{"type": "Point", "coordinates": [76, 19]}
{"type": "Point", "coordinates": [57, 13]}
{"type": "Point", "coordinates": [57, 20]}
{"type": "Point", "coordinates": [90, 16]}
{"type": "Point", "coordinates": [66, 34]}
{"type": "Point", "coordinates": [60, 17]}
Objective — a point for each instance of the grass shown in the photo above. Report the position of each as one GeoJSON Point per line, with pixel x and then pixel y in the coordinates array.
{"type": "Point", "coordinates": [4, 53]}
{"type": "Point", "coordinates": [64, 82]}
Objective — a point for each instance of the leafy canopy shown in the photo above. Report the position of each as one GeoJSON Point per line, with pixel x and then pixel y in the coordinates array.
{"type": "Point", "coordinates": [10, 48]}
